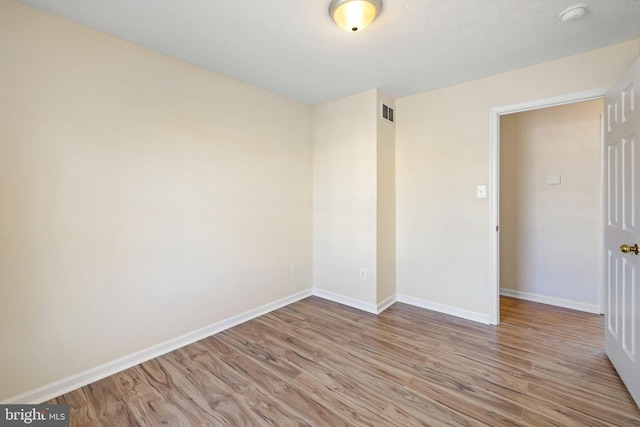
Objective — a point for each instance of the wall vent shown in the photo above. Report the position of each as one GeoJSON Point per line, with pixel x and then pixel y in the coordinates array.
{"type": "Point", "coordinates": [387, 113]}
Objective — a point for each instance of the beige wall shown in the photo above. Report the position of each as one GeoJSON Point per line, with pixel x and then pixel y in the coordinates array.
{"type": "Point", "coordinates": [442, 141]}
{"type": "Point", "coordinates": [354, 200]}
{"type": "Point", "coordinates": [386, 204]}
{"type": "Point", "coordinates": [141, 198]}
{"type": "Point", "coordinates": [344, 196]}
{"type": "Point", "coordinates": [550, 234]}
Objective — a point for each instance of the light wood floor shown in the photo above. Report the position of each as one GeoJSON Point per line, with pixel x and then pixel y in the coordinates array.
{"type": "Point", "coordinates": [319, 363]}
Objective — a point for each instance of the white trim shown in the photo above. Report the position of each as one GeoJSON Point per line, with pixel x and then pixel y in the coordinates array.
{"type": "Point", "coordinates": [443, 308]}
{"type": "Point", "coordinates": [355, 303]}
{"type": "Point", "coordinates": [603, 213]}
{"type": "Point", "coordinates": [558, 302]}
{"type": "Point", "coordinates": [554, 101]}
{"type": "Point", "coordinates": [57, 388]}
{"type": "Point", "coordinates": [382, 306]}
{"type": "Point", "coordinates": [341, 299]}
{"type": "Point", "coordinates": [494, 216]}
{"type": "Point", "coordinates": [494, 179]}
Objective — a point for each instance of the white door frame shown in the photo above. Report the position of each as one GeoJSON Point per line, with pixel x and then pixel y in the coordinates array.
{"type": "Point", "coordinates": [494, 180]}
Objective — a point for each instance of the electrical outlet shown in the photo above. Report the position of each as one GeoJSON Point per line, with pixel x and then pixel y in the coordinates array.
{"type": "Point", "coordinates": [294, 269]}
{"type": "Point", "coordinates": [363, 274]}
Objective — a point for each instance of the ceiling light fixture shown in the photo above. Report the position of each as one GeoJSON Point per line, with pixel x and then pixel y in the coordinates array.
{"type": "Point", "coordinates": [574, 12]}
{"type": "Point", "coordinates": [354, 15]}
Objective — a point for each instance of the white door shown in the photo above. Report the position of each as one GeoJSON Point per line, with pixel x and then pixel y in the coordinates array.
{"type": "Point", "coordinates": [622, 222]}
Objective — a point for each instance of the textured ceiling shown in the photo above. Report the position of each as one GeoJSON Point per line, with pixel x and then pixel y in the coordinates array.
{"type": "Point", "coordinates": [292, 47]}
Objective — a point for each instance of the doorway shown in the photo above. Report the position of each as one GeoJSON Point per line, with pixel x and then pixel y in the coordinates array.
{"type": "Point", "coordinates": [550, 206]}
{"type": "Point", "coordinates": [494, 181]}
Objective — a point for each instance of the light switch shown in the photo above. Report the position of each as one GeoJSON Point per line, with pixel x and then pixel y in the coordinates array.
{"type": "Point", "coordinates": [481, 192]}
{"type": "Point", "coordinates": [554, 179]}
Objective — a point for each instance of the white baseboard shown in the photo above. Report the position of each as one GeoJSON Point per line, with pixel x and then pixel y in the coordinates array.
{"type": "Point", "coordinates": [445, 309]}
{"type": "Point", "coordinates": [89, 376]}
{"type": "Point", "coordinates": [355, 303]}
{"type": "Point", "coordinates": [341, 299]}
{"type": "Point", "coordinates": [386, 303]}
{"type": "Point", "coordinates": [558, 302]}
{"type": "Point", "coordinates": [57, 388]}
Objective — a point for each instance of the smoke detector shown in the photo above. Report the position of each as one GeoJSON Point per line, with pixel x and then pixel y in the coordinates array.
{"type": "Point", "coordinates": [573, 13]}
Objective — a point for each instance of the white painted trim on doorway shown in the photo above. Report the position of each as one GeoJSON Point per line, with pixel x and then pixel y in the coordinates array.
{"type": "Point", "coordinates": [603, 211]}
{"type": "Point", "coordinates": [558, 302]}
{"type": "Point", "coordinates": [494, 180]}
{"type": "Point", "coordinates": [65, 385]}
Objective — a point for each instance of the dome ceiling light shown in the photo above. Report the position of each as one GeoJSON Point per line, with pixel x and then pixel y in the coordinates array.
{"type": "Point", "coordinates": [354, 15]}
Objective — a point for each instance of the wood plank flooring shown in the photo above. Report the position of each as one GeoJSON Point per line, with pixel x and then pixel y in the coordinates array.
{"type": "Point", "coordinates": [319, 363]}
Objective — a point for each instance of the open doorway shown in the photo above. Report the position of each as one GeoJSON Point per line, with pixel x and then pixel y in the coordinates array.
{"type": "Point", "coordinates": [550, 207]}
{"type": "Point", "coordinates": [495, 194]}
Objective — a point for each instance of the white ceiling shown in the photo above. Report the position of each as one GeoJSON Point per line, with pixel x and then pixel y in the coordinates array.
{"type": "Point", "coordinates": [292, 47]}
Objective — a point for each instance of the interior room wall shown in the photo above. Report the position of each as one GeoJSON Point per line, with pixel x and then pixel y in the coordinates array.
{"type": "Point", "coordinates": [354, 201]}
{"type": "Point", "coordinates": [442, 154]}
{"type": "Point", "coordinates": [344, 198]}
{"type": "Point", "coordinates": [550, 238]}
{"type": "Point", "coordinates": [142, 198]}
{"type": "Point", "coordinates": [386, 204]}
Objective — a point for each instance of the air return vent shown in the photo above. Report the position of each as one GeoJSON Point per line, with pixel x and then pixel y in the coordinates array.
{"type": "Point", "coordinates": [387, 113]}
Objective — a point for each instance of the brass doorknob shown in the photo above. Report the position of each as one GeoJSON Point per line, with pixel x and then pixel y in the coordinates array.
{"type": "Point", "coordinates": [626, 249]}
